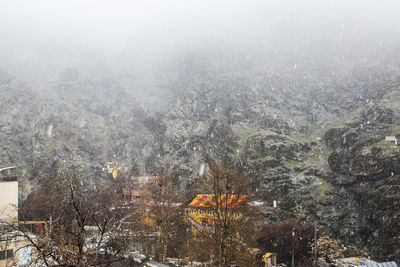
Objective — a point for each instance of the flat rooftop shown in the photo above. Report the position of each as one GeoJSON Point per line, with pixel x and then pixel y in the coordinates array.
{"type": "Point", "coordinates": [9, 179]}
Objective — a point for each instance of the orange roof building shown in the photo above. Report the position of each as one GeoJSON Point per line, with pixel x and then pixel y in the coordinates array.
{"type": "Point", "coordinates": [202, 216]}
{"type": "Point", "coordinates": [224, 200]}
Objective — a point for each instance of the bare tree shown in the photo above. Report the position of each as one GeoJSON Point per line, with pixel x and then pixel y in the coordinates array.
{"type": "Point", "coordinates": [84, 227]}
{"type": "Point", "coordinates": [166, 209]}
{"type": "Point", "coordinates": [229, 229]}
{"type": "Point", "coordinates": [286, 238]}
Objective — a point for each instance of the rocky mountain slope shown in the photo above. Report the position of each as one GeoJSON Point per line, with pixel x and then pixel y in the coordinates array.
{"type": "Point", "coordinates": [311, 136]}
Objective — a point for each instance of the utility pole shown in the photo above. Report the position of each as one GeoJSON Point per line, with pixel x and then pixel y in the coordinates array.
{"type": "Point", "coordinates": [315, 244]}
{"type": "Point", "coordinates": [293, 248]}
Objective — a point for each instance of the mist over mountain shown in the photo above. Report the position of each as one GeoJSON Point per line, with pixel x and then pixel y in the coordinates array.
{"type": "Point", "coordinates": [300, 95]}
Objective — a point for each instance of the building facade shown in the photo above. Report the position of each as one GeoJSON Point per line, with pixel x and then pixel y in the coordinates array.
{"type": "Point", "coordinates": [8, 196]}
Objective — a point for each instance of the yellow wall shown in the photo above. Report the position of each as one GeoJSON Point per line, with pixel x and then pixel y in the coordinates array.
{"type": "Point", "coordinates": [202, 215]}
{"type": "Point", "coordinates": [9, 201]}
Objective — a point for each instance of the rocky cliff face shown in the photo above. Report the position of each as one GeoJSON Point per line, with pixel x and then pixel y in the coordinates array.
{"type": "Point", "coordinates": [311, 138]}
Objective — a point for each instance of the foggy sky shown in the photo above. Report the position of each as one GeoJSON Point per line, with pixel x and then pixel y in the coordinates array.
{"type": "Point", "coordinates": [37, 35]}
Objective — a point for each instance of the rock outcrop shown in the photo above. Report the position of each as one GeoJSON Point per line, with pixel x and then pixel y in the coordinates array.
{"type": "Point", "coordinates": [315, 143]}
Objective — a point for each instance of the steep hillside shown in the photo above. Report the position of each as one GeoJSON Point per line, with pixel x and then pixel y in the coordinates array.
{"type": "Point", "coordinates": [310, 136]}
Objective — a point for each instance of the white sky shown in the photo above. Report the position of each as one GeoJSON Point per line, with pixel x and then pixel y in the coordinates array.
{"type": "Point", "coordinates": [41, 32]}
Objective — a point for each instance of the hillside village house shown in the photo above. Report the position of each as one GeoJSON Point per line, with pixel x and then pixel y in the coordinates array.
{"type": "Point", "coordinates": [8, 196]}
{"type": "Point", "coordinates": [14, 248]}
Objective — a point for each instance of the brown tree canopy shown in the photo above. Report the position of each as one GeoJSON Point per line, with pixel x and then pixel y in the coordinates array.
{"type": "Point", "coordinates": [84, 219]}
{"type": "Point", "coordinates": [165, 208]}
{"type": "Point", "coordinates": [40, 206]}
{"type": "Point", "coordinates": [278, 238]}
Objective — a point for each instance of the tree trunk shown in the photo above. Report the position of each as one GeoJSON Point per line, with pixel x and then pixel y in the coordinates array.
{"type": "Point", "coordinates": [164, 255]}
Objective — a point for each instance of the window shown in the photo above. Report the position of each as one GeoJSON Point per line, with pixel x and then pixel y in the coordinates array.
{"type": "Point", "coordinates": [6, 254]}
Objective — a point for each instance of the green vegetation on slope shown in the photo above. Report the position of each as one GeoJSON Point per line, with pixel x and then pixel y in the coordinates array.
{"type": "Point", "coordinates": [246, 134]}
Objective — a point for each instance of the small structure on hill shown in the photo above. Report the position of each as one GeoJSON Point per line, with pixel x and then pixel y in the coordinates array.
{"type": "Point", "coordinates": [112, 169]}
{"type": "Point", "coordinates": [133, 188]}
{"type": "Point", "coordinates": [391, 139]}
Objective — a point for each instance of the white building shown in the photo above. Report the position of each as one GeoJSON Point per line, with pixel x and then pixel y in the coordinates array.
{"type": "Point", "coordinates": [8, 196]}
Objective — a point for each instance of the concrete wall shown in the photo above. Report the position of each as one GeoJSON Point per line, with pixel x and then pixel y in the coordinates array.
{"type": "Point", "coordinates": [9, 201]}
